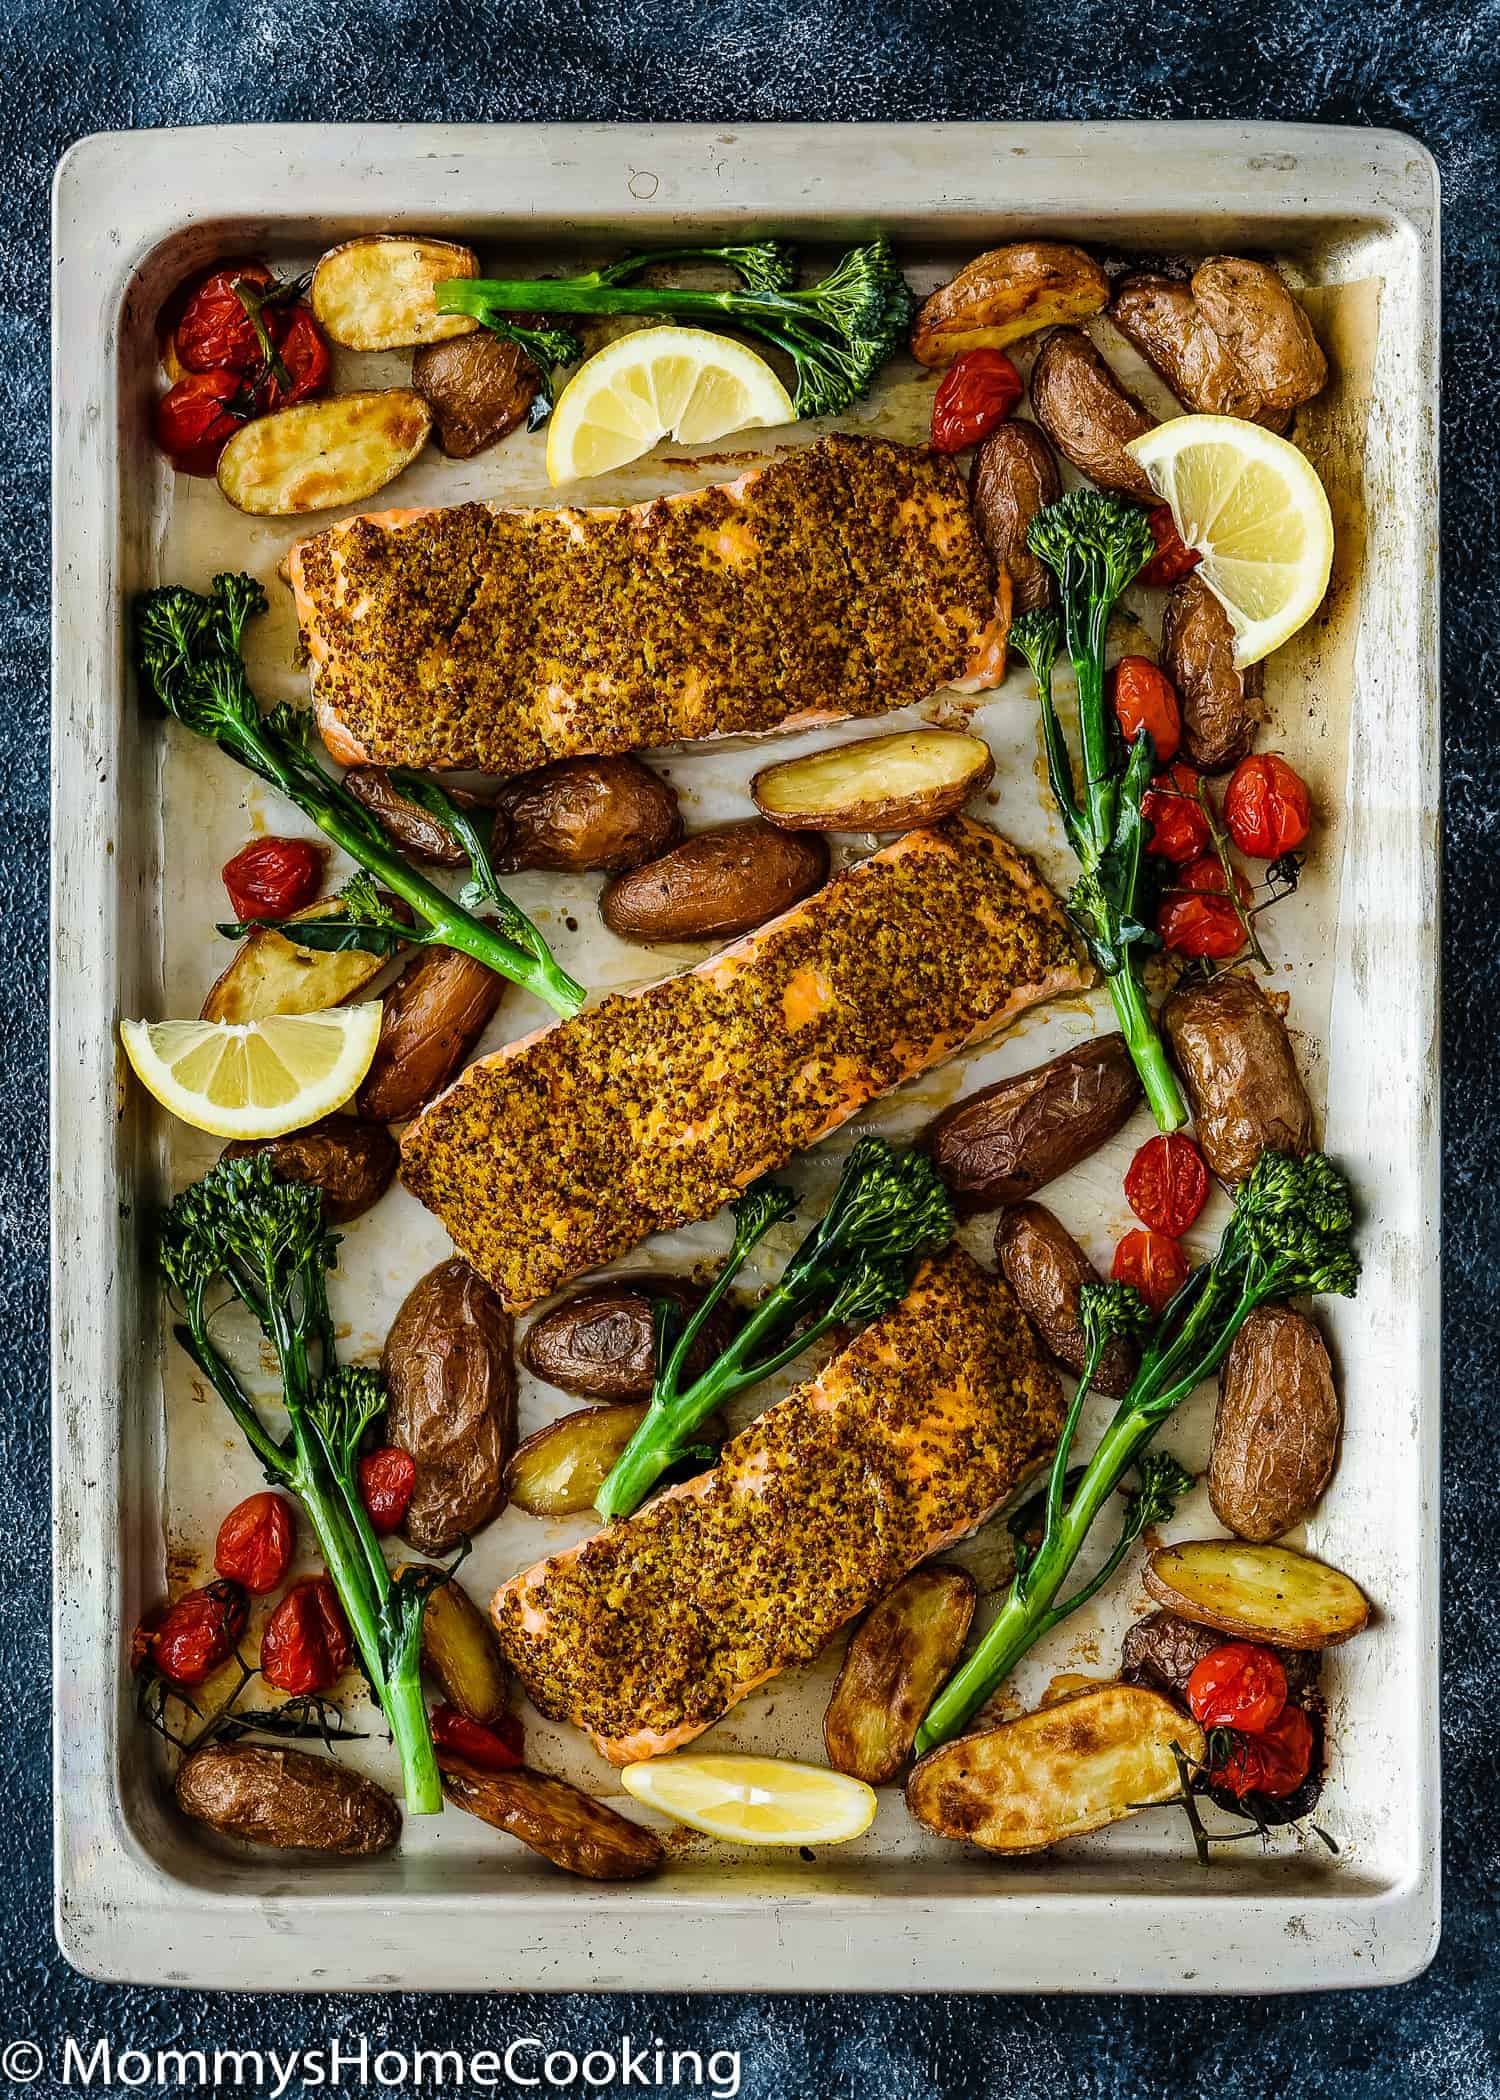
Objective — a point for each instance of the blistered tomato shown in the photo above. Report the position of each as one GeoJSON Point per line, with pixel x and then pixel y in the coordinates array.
{"type": "Point", "coordinates": [306, 1645]}
{"type": "Point", "coordinates": [1166, 1184]}
{"type": "Point", "coordinates": [255, 1542]}
{"type": "Point", "coordinates": [1267, 809]}
{"type": "Point", "coordinates": [979, 390]}
{"type": "Point", "coordinates": [1144, 698]}
{"type": "Point", "coordinates": [496, 1748]}
{"type": "Point", "coordinates": [195, 420]}
{"type": "Point", "coordinates": [1241, 1685]}
{"type": "Point", "coordinates": [1155, 1265]}
{"type": "Point", "coordinates": [1173, 558]}
{"type": "Point", "coordinates": [272, 878]}
{"type": "Point", "coordinates": [1274, 1763]}
{"type": "Point", "coordinates": [1196, 916]}
{"type": "Point", "coordinates": [1179, 825]}
{"type": "Point", "coordinates": [303, 350]}
{"type": "Point", "coordinates": [386, 1480]}
{"type": "Point", "coordinates": [215, 332]}
{"type": "Point", "coordinates": [197, 1633]}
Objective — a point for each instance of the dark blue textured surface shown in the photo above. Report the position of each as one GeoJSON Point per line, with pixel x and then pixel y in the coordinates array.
{"type": "Point", "coordinates": [1427, 66]}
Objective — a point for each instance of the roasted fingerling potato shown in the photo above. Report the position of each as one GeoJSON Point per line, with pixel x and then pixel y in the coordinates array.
{"type": "Point", "coordinates": [559, 1470]}
{"type": "Point", "coordinates": [1002, 1144]}
{"type": "Point", "coordinates": [1236, 1059]}
{"type": "Point", "coordinates": [563, 1824]}
{"type": "Point", "coordinates": [1046, 1270]}
{"type": "Point", "coordinates": [268, 974]}
{"type": "Point", "coordinates": [351, 1161]}
{"type": "Point", "coordinates": [433, 1016]}
{"type": "Point", "coordinates": [479, 388]}
{"type": "Point", "coordinates": [460, 1650]}
{"type": "Point", "coordinates": [321, 455]}
{"type": "Point", "coordinates": [1265, 328]}
{"type": "Point", "coordinates": [1276, 1429]}
{"type": "Point", "coordinates": [1005, 294]}
{"type": "Point", "coordinates": [1160, 316]}
{"type": "Point", "coordinates": [1257, 1593]}
{"type": "Point", "coordinates": [1089, 416]}
{"type": "Point", "coordinates": [875, 783]}
{"type": "Point", "coordinates": [585, 813]}
{"type": "Point", "coordinates": [286, 1799]}
{"type": "Point", "coordinates": [1220, 703]}
{"type": "Point", "coordinates": [896, 1663]}
{"type": "Point", "coordinates": [451, 1377]}
{"type": "Point", "coordinates": [1163, 1651]}
{"type": "Point", "coordinates": [376, 292]}
{"type": "Point", "coordinates": [1014, 476]}
{"type": "Point", "coordinates": [415, 830]}
{"type": "Point", "coordinates": [599, 1342]}
{"type": "Point", "coordinates": [716, 884]}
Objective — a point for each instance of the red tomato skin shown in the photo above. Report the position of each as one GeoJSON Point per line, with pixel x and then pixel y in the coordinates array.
{"type": "Point", "coordinates": [1195, 916]}
{"type": "Point", "coordinates": [1179, 827]}
{"type": "Point", "coordinates": [1267, 809]}
{"type": "Point", "coordinates": [1173, 558]}
{"type": "Point", "coordinates": [1155, 1265]}
{"type": "Point", "coordinates": [272, 878]}
{"type": "Point", "coordinates": [197, 1633]}
{"type": "Point", "coordinates": [1144, 698]}
{"type": "Point", "coordinates": [303, 349]}
{"type": "Point", "coordinates": [255, 1542]}
{"type": "Point", "coordinates": [192, 422]}
{"type": "Point", "coordinates": [387, 1478]}
{"type": "Point", "coordinates": [306, 1645]}
{"type": "Point", "coordinates": [1166, 1184]}
{"type": "Point", "coordinates": [496, 1748]}
{"type": "Point", "coordinates": [215, 334]}
{"type": "Point", "coordinates": [1273, 1763]}
{"type": "Point", "coordinates": [1241, 1685]}
{"type": "Point", "coordinates": [979, 390]}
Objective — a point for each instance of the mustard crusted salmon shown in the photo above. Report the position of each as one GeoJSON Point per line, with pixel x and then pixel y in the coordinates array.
{"type": "Point", "coordinates": [845, 578]}
{"type": "Point", "coordinates": [569, 1146]}
{"type": "Point", "coordinates": [647, 1632]}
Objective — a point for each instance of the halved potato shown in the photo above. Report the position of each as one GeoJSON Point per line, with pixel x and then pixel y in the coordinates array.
{"type": "Point", "coordinates": [320, 455]}
{"type": "Point", "coordinates": [559, 1471]}
{"type": "Point", "coordinates": [1258, 1593]}
{"type": "Point", "coordinates": [376, 293]}
{"type": "Point", "coordinates": [1007, 293]}
{"type": "Point", "coordinates": [269, 974]}
{"type": "Point", "coordinates": [1069, 1768]}
{"type": "Point", "coordinates": [894, 1666]}
{"type": "Point", "coordinates": [460, 1649]}
{"type": "Point", "coordinates": [877, 783]}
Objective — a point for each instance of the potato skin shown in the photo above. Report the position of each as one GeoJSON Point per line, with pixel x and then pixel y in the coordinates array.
{"type": "Point", "coordinates": [460, 1649]}
{"type": "Point", "coordinates": [585, 813]}
{"type": "Point", "coordinates": [1266, 1593]}
{"type": "Point", "coordinates": [1236, 1060]}
{"type": "Point", "coordinates": [352, 1162]}
{"type": "Point", "coordinates": [1015, 475]}
{"type": "Point", "coordinates": [1088, 415]}
{"type": "Point", "coordinates": [317, 455]}
{"type": "Point", "coordinates": [287, 1799]}
{"type": "Point", "coordinates": [452, 1384]}
{"type": "Point", "coordinates": [896, 1662]}
{"type": "Point", "coordinates": [1253, 313]}
{"type": "Point", "coordinates": [716, 884]}
{"type": "Point", "coordinates": [1276, 1431]}
{"type": "Point", "coordinates": [419, 834]}
{"type": "Point", "coordinates": [1005, 294]}
{"type": "Point", "coordinates": [1162, 1651]}
{"type": "Point", "coordinates": [564, 1825]}
{"type": "Point", "coordinates": [957, 766]}
{"type": "Point", "coordinates": [434, 1014]}
{"type": "Point", "coordinates": [375, 292]}
{"type": "Point", "coordinates": [1010, 1139]}
{"type": "Point", "coordinates": [598, 1342]}
{"type": "Point", "coordinates": [587, 1443]}
{"type": "Point", "coordinates": [479, 388]}
{"type": "Point", "coordinates": [1160, 316]}
{"type": "Point", "coordinates": [1046, 1269]}
{"type": "Point", "coordinates": [1220, 703]}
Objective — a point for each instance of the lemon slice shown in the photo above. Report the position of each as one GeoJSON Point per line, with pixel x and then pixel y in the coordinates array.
{"type": "Point", "coordinates": [683, 383]}
{"type": "Point", "coordinates": [1253, 506]}
{"type": "Point", "coordinates": [755, 1800]}
{"type": "Point", "coordinates": [254, 1079]}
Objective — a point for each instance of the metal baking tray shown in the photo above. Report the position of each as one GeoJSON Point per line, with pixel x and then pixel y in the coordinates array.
{"type": "Point", "coordinates": [142, 821]}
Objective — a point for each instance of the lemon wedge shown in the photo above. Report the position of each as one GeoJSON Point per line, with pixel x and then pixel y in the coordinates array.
{"type": "Point", "coordinates": [683, 383]}
{"type": "Point", "coordinates": [755, 1800]}
{"type": "Point", "coordinates": [254, 1079]}
{"type": "Point", "coordinates": [1254, 508]}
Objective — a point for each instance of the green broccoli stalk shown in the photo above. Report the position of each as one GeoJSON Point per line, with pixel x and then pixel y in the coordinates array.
{"type": "Point", "coordinates": [1290, 1233]}
{"type": "Point", "coordinates": [855, 1264]}
{"type": "Point", "coordinates": [265, 1238]}
{"type": "Point", "coordinates": [188, 651]}
{"type": "Point", "coordinates": [1094, 545]}
{"type": "Point", "coordinates": [838, 333]}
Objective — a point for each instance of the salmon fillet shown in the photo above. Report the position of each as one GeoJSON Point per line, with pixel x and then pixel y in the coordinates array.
{"type": "Point", "coordinates": [571, 1145]}
{"type": "Point", "coordinates": [846, 578]}
{"type": "Point", "coordinates": [646, 1633]}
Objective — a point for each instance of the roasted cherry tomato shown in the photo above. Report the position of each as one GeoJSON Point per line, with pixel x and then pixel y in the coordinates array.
{"type": "Point", "coordinates": [496, 1748]}
{"type": "Point", "coordinates": [1240, 1685]}
{"type": "Point", "coordinates": [1173, 558]}
{"type": "Point", "coordinates": [386, 1480]}
{"type": "Point", "coordinates": [1179, 827]}
{"type": "Point", "coordinates": [979, 390]}
{"type": "Point", "coordinates": [1275, 1762]}
{"type": "Point", "coordinates": [1166, 1184]}
{"type": "Point", "coordinates": [1156, 1266]}
{"type": "Point", "coordinates": [1196, 916]}
{"type": "Point", "coordinates": [215, 333]}
{"type": "Point", "coordinates": [254, 1546]}
{"type": "Point", "coordinates": [1267, 809]}
{"type": "Point", "coordinates": [1145, 699]}
{"type": "Point", "coordinates": [272, 878]}
{"type": "Point", "coordinates": [195, 420]}
{"type": "Point", "coordinates": [303, 350]}
{"type": "Point", "coordinates": [197, 1633]}
{"type": "Point", "coordinates": [306, 1644]}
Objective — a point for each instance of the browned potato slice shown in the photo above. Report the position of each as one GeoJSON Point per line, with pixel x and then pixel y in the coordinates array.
{"type": "Point", "coordinates": [877, 783]}
{"type": "Point", "coordinates": [1163, 1651]}
{"type": "Point", "coordinates": [479, 388]}
{"type": "Point", "coordinates": [269, 974]}
{"type": "Point", "coordinates": [1012, 1138]}
{"type": "Point", "coordinates": [1015, 475]}
{"type": "Point", "coordinates": [1235, 1056]}
{"type": "Point", "coordinates": [1263, 326]}
{"type": "Point", "coordinates": [599, 1342]}
{"type": "Point", "coordinates": [1057, 1773]}
{"type": "Point", "coordinates": [1088, 415]}
{"type": "Point", "coordinates": [1276, 1431]}
{"type": "Point", "coordinates": [320, 455]}
{"type": "Point", "coordinates": [460, 1649]}
{"type": "Point", "coordinates": [1220, 703]}
{"type": "Point", "coordinates": [559, 1470]}
{"type": "Point", "coordinates": [353, 1163]}
{"type": "Point", "coordinates": [452, 1385]}
{"type": "Point", "coordinates": [584, 813]}
{"type": "Point", "coordinates": [1257, 1593]}
{"type": "Point", "coordinates": [375, 293]}
{"type": "Point", "coordinates": [894, 1665]}
{"type": "Point", "coordinates": [287, 1799]}
{"type": "Point", "coordinates": [1172, 332]}
{"type": "Point", "coordinates": [1007, 293]}
{"type": "Point", "coordinates": [716, 884]}
{"type": "Point", "coordinates": [1047, 1269]}
{"type": "Point", "coordinates": [434, 1015]}
{"type": "Point", "coordinates": [415, 830]}
{"type": "Point", "coordinates": [576, 1833]}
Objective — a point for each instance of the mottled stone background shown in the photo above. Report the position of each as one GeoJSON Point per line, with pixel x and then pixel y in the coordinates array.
{"type": "Point", "coordinates": [1426, 66]}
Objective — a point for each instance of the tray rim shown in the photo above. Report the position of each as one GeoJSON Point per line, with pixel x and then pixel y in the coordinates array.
{"type": "Point", "coordinates": [108, 1885]}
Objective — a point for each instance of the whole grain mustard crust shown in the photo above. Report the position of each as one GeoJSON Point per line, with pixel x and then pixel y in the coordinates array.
{"type": "Point", "coordinates": [846, 577]}
{"type": "Point", "coordinates": [652, 1629]}
{"type": "Point", "coordinates": [655, 1108]}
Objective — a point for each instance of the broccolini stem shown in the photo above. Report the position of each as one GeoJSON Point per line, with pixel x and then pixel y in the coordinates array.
{"type": "Point", "coordinates": [1163, 1094]}
{"type": "Point", "coordinates": [406, 1710]}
